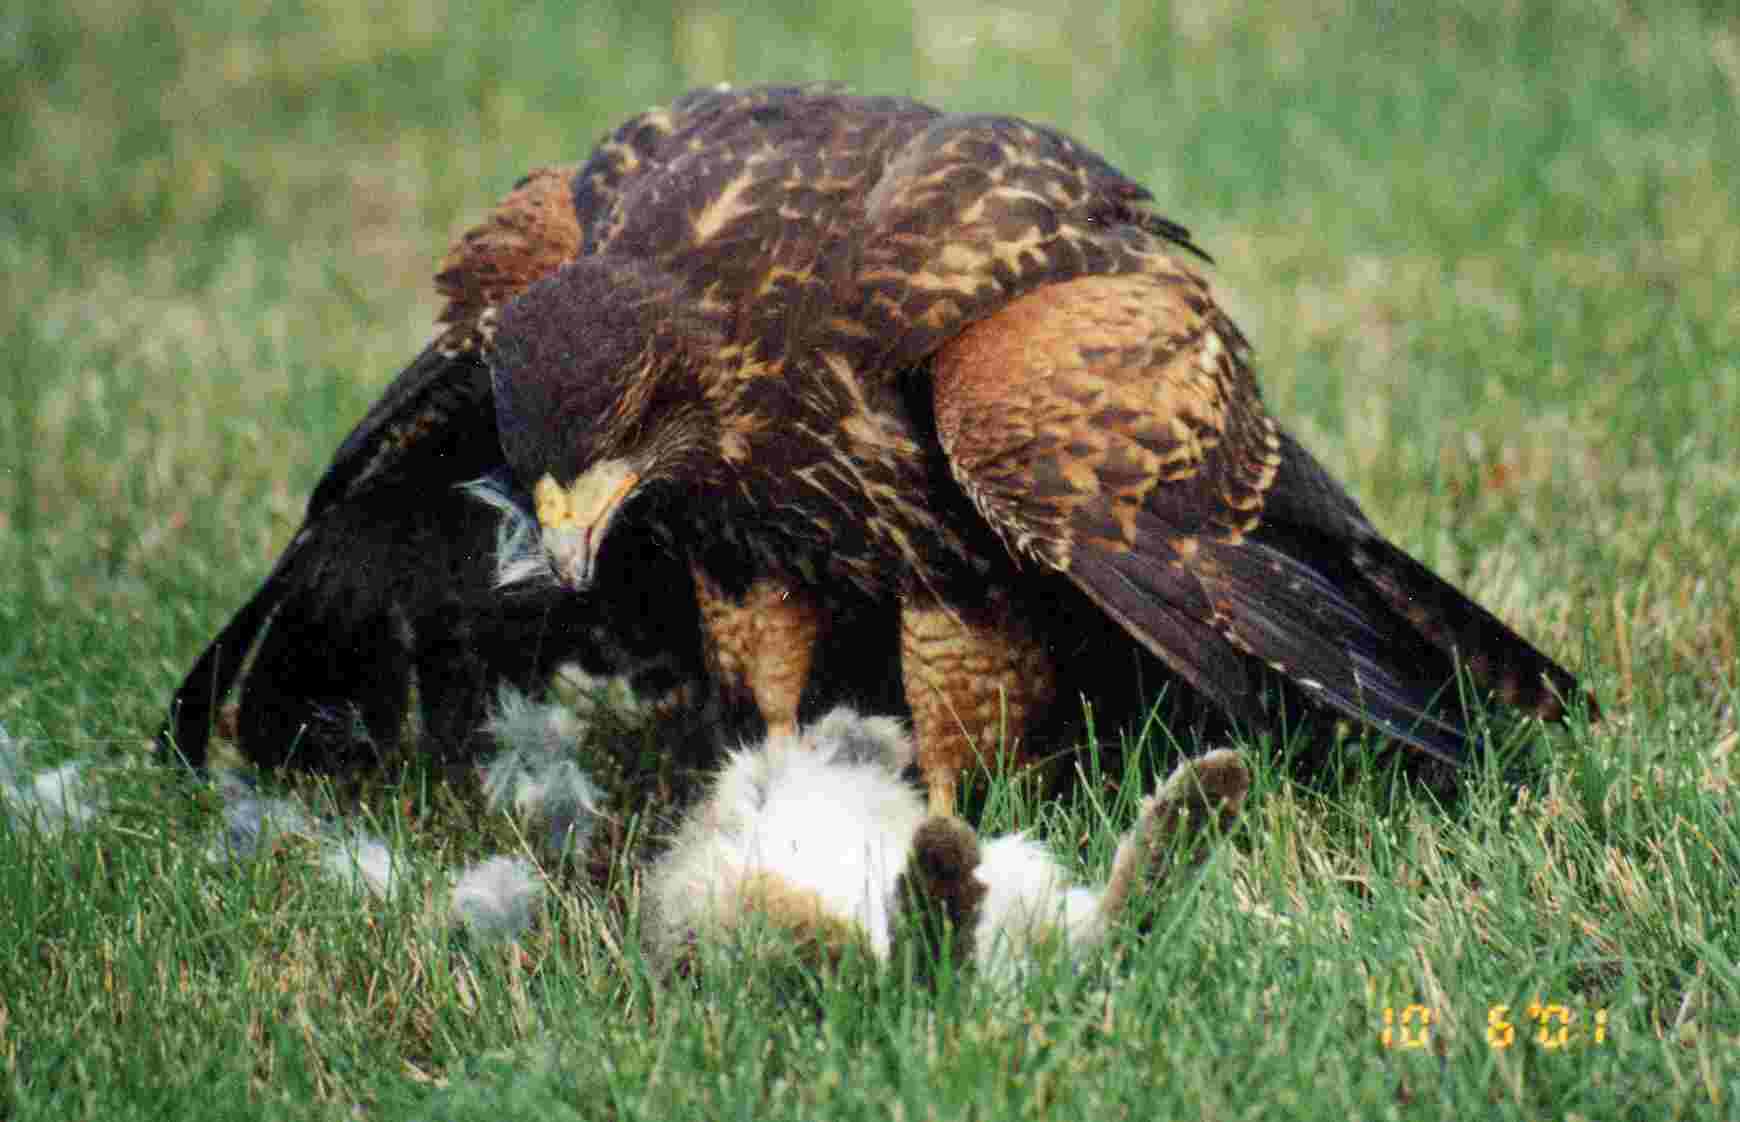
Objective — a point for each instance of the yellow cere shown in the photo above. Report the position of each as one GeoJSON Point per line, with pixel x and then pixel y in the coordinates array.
{"type": "Point", "coordinates": [552, 503]}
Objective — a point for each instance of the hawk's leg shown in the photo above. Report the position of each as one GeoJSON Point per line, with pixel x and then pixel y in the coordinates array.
{"type": "Point", "coordinates": [975, 675]}
{"type": "Point", "coordinates": [761, 643]}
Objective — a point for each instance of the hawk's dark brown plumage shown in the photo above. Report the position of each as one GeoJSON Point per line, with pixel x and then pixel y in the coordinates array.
{"type": "Point", "coordinates": [851, 351]}
{"type": "Point", "coordinates": [852, 360]}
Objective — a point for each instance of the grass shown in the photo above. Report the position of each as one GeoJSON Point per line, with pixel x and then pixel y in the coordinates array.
{"type": "Point", "coordinates": [1490, 256]}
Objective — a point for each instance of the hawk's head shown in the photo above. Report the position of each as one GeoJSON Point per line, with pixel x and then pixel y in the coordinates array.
{"type": "Point", "coordinates": [598, 401]}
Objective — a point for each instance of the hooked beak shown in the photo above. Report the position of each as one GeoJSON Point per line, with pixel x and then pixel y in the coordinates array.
{"type": "Point", "coordinates": [574, 519]}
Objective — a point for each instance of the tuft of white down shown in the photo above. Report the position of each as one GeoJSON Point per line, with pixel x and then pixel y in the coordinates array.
{"type": "Point", "coordinates": [55, 799]}
{"type": "Point", "coordinates": [363, 862]}
{"type": "Point", "coordinates": [535, 774]}
{"type": "Point", "coordinates": [499, 897]}
{"type": "Point", "coordinates": [520, 558]}
{"type": "Point", "coordinates": [812, 813]}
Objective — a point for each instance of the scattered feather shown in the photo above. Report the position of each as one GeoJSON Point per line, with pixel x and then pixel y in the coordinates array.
{"type": "Point", "coordinates": [498, 898]}
{"type": "Point", "coordinates": [57, 799]}
{"type": "Point", "coordinates": [11, 752]}
{"type": "Point", "coordinates": [54, 799]}
{"type": "Point", "coordinates": [362, 862]}
{"type": "Point", "coordinates": [520, 558]}
{"type": "Point", "coordinates": [253, 823]}
{"type": "Point", "coordinates": [535, 776]}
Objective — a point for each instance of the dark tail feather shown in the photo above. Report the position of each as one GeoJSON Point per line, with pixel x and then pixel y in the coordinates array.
{"type": "Point", "coordinates": [1340, 653]}
{"type": "Point", "coordinates": [1143, 597]}
{"type": "Point", "coordinates": [1342, 648]}
{"type": "Point", "coordinates": [1307, 514]}
{"type": "Point", "coordinates": [1271, 607]}
{"type": "Point", "coordinates": [1497, 658]}
{"type": "Point", "coordinates": [186, 732]}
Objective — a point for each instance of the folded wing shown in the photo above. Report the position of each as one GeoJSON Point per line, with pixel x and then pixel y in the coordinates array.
{"type": "Point", "coordinates": [1110, 428]}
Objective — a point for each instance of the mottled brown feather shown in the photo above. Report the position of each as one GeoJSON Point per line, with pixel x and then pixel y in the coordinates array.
{"type": "Point", "coordinates": [950, 349]}
{"type": "Point", "coordinates": [1117, 416]}
{"type": "Point", "coordinates": [529, 235]}
{"type": "Point", "coordinates": [1085, 402]}
{"type": "Point", "coordinates": [1110, 427]}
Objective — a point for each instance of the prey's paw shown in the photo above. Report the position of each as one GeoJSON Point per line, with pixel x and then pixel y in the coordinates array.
{"type": "Point", "coordinates": [1210, 789]}
{"type": "Point", "coordinates": [939, 894]}
{"type": "Point", "coordinates": [1197, 803]}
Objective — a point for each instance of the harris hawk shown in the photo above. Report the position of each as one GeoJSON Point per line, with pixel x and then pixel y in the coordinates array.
{"type": "Point", "coordinates": [856, 356]}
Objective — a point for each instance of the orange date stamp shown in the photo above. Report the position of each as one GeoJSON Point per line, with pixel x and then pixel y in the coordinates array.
{"type": "Point", "coordinates": [1554, 1026]}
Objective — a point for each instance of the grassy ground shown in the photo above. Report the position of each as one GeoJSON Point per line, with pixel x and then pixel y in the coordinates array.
{"type": "Point", "coordinates": [1490, 256]}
